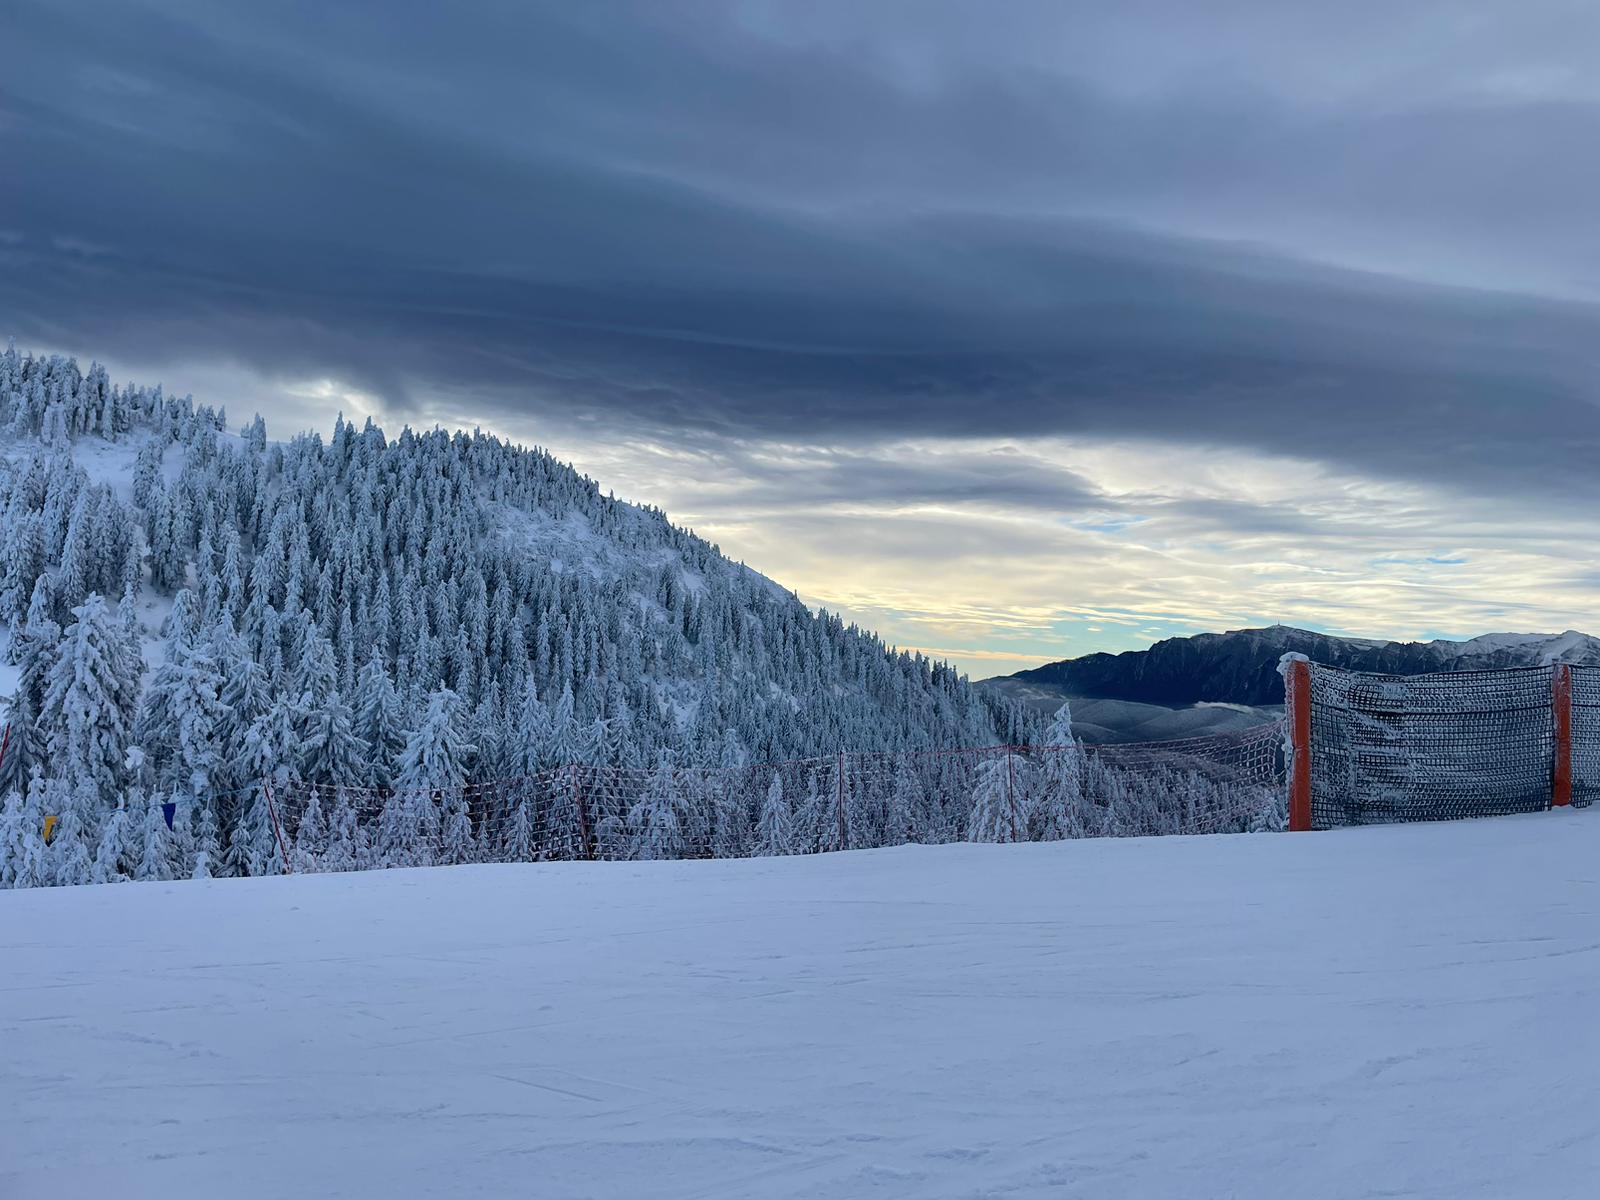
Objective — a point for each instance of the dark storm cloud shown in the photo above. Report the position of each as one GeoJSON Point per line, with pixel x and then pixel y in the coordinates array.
{"type": "Point", "coordinates": [818, 225]}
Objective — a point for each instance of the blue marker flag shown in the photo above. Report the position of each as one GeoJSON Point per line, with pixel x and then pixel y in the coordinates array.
{"type": "Point", "coordinates": [167, 811]}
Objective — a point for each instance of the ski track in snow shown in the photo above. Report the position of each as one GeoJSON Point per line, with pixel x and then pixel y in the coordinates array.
{"type": "Point", "coordinates": [1403, 1011]}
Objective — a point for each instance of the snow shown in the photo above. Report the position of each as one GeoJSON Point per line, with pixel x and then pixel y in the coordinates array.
{"type": "Point", "coordinates": [111, 463]}
{"type": "Point", "coordinates": [1552, 647]}
{"type": "Point", "coordinates": [1405, 1011]}
{"type": "Point", "coordinates": [1569, 645]}
{"type": "Point", "coordinates": [1492, 641]}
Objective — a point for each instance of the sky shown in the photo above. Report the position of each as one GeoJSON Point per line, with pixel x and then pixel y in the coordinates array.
{"type": "Point", "coordinates": [1014, 331]}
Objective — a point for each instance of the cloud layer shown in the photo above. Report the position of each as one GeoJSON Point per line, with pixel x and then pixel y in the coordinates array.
{"type": "Point", "coordinates": [860, 263]}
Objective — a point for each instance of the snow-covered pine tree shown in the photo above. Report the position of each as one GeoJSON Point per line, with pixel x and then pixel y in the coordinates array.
{"type": "Point", "coordinates": [395, 841]}
{"type": "Point", "coordinates": [245, 694]}
{"type": "Point", "coordinates": [436, 751]}
{"type": "Point", "coordinates": [1061, 809]}
{"type": "Point", "coordinates": [346, 849]}
{"type": "Point", "coordinates": [22, 855]}
{"type": "Point", "coordinates": [156, 848]}
{"type": "Point", "coordinates": [377, 721]}
{"type": "Point", "coordinates": [518, 844]}
{"type": "Point", "coordinates": [816, 826]}
{"type": "Point", "coordinates": [89, 703]}
{"type": "Point", "coordinates": [311, 838]}
{"type": "Point", "coordinates": [457, 844]}
{"type": "Point", "coordinates": [12, 840]}
{"type": "Point", "coordinates": [697, 810]}
{"type": "Point", "coordinates": [1116, 809]}
{"type": "Point", "coordinates": [207, 840]}
{"type": "Point", "coordinates": [69, 858]}
{"type": "Point", "coordinates": [622, 741]}
{"type": "Point", "coordinates": [432, 770]}
{"type": "Point", "coordinates": [330, 751]}
{"type": "Point", "coordinates": [19, 732]}
{"type": "Point", "coordinates": [995, 802]}
{"type": "Point", "coordinates": [116, 857]}
{"type": "Point", "coordinates": [318, 670]}
{"type": "Point", "coordinates": [563, 748]}
{"type": "Point", "coordinates": [270, 760]}
{"type": "Point", "coordinates": [33, 652]}
{"type": "Point", "coordinates": [493, 757]}
{"type": "Point", "coordinates": [775, 831]}
{"type": "Point", "coordinates": [732, 835]}
{"type": "Point", "coordinates": [183, 839]}
{"type": "Point", "coordinates": [529, 739]}
{"type": "Point", "coordinates": [184, 727]}
{"type": "Point", "coordinates": [654, 821]}
{"type": "Point", "coordinates": [592, 739]}
{"type": "Point", "coordinates": [902, 822]}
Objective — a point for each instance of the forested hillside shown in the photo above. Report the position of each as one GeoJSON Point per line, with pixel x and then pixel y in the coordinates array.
{"type": "Point", "coordinates": [428, 610]}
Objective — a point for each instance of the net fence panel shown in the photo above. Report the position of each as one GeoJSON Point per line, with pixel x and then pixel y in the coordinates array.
{"type": "Point", "coordinates": [1585, 735]}
{"type": "Point", "coordinates": [1388, 748]}
{"type": "Point", "coordinates": [1222, 784]}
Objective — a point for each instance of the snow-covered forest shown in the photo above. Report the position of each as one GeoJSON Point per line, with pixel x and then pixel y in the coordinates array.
{"type": "Point", "coordinates": [446, 648]}
{"type": "Point", "coordinates": [188, 612]}
{"type": "Point", "coordinates": [1050, 792]}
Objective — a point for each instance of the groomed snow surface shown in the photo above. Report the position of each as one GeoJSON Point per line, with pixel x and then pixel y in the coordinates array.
{"type": "Point", "coordinates": [1401, 1011]}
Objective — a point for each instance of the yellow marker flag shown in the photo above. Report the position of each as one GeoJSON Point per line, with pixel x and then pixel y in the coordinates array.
{"type": "Point", "coordinates": [50, 828]}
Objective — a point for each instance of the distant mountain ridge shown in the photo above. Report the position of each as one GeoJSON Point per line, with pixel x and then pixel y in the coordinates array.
{"type": "Point", "coordinates": [1239, 668]}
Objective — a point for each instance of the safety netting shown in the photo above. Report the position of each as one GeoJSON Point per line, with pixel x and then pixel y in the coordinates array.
{"type": "Point", "coordinates": [1585, 735]}
{"type": "Point", "coordinates": [1436, 747]}
{"type": "Point", "coordinates": [1225, 783]}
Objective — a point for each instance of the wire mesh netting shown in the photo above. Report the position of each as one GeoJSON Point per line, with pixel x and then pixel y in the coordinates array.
{"type": "Point", "coordinates": [1436, 747]}
{"type": "Point", "coordinates": [1226, 783]}
{"type": "Point", "coordinates": [1585, 735]}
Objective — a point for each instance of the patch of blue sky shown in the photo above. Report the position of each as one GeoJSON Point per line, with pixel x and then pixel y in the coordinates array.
{"type": "Point", "coordinates": [1104, 522]}
{"type": "Point", "coordinates": [1420, 560]}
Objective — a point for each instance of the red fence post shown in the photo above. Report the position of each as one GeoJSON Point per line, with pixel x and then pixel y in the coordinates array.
{"type": "Point", "coordinates": [1561, 712]}
{"type": "Point", "coordinates": [585, 835]}
{"type": "Point", "coordinates": [272, 810]}
{"type": "Point", "coordinates": [1298, 683]}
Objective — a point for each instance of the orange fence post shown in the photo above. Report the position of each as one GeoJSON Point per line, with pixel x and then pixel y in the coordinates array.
{"type": "Point", "coordinates": [1298, 683]}
{"type": "Point", "coordinates": [1561, 712]}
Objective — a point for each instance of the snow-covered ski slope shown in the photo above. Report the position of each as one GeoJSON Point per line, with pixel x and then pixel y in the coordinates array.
{"type": "Point", "coordinates": [1403, 1011]}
